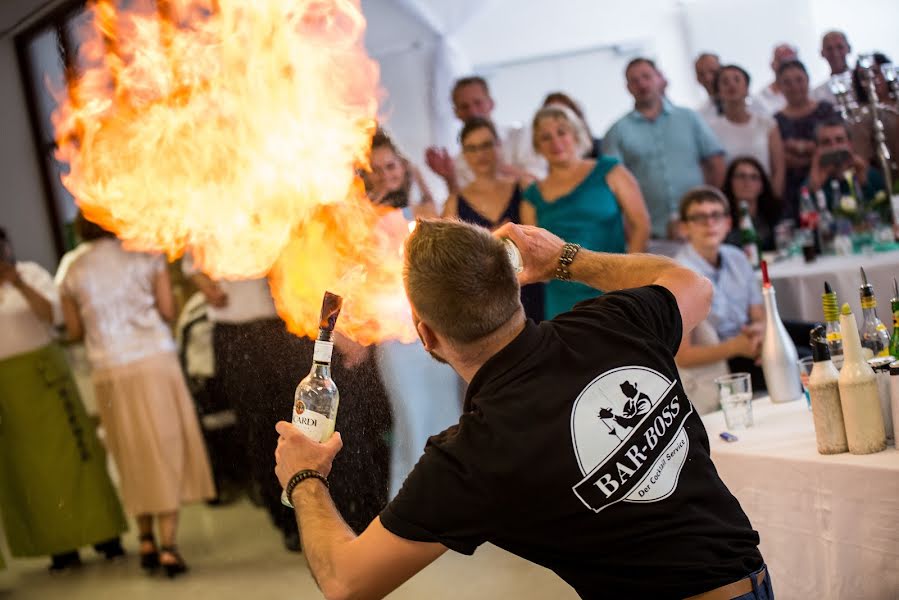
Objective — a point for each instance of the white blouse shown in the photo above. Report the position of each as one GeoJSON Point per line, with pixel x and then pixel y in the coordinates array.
{"type": "Point", "coordinates": [248, 300]}
{"type": "Point", "coordinates": [745, 139]}
{"type": "Point", "coordinates": [22, 330]}
{"type": "Point", "coordinates": [114, 290]}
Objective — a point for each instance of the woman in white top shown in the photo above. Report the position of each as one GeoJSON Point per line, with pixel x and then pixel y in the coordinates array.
{"type": "Point", "coordinates": [120, 303]}
{"type": "Point", "coordinates": [55, 492]}
{"type": "Point", "coordinates": [743, 132]}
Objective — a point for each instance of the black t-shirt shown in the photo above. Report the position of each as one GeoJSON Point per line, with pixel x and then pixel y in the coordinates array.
{"type": "Point", "coordinates": [578, 450]}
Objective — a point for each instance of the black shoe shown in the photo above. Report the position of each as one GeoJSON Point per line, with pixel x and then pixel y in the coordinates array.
{"type": "Point", "coordinates": [292, 541]}
{"type": "Point", "coordinates": [149, 561]}
{"type": "Point", "coordinates": [64, 561]}
{"type": "Point", "coordinates": [111, 549]}
{"type": "Point", "coordinates": [176, 568]}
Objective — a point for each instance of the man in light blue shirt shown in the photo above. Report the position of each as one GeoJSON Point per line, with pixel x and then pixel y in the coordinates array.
{"type": "Point", "coordinates": [737, 314]}
{"type": "Point", "coordinates": [669, 149]}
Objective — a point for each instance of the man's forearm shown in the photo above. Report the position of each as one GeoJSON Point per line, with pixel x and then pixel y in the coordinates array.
{"type": "Point", "coordinates": [610, 272]}
{"type": "Point", "coordinates": [323, 532]}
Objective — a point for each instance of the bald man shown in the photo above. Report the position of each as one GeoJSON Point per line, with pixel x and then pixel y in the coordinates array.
{"type": "Point", "coordinates": [707, 66]}
{"type": "Point", "coordinates": [835, 50]}
{"type": "Point", "coordinates": [770, 99]}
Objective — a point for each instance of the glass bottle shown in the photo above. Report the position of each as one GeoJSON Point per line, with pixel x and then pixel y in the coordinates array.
{"type": "Point", "coordinates": [316, 398]}
{"type": "Point", "coordinates": [874, 334]}
{"type": "Point", "coordinates": [894, 307]}
{"type": "Point", "coordinates": [859, 394]}
{"type": "Point", "coordinates": [824, 389]}
{"type": "Point", "coordinates": [749, 238]}
{"type": "Point", "coordinates": [780, 361]}
{"type": "Point", "coordinates": [832, 324]}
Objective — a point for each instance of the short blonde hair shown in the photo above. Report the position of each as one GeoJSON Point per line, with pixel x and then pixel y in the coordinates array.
{"type": "Point", "coordinates": [459, 279]}
{"type": "Point", "coordinates": [563, 113]}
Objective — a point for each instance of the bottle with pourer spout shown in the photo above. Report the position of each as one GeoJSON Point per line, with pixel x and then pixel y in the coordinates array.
{"type": "Point", "coordinates": [859, 395]}
{"type": "Point", "coordinates": [316, 399]}
{"type": "Point", "coordinates": [874, 334]}
{"type": "Point", "coordinates": [832, 325]}
{"type": "Point", "coordinates": [780, 361]}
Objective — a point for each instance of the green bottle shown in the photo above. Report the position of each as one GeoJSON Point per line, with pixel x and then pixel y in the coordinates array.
{"type": "Point", "coordinates": [894, 306]}
{"type": "Point", "coordinates": [749, 238]}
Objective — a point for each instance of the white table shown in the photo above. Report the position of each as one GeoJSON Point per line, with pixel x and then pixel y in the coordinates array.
{"type": "Point", "coordinates": [829, 525]}
{"type": "Point", "coordinates": [799, 284]}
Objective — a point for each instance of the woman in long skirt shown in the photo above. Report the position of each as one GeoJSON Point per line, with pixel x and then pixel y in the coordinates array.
{"type": "Point", "coordinates": [119, 301]}
{"type": "Point", "coordinates": [55, 492]}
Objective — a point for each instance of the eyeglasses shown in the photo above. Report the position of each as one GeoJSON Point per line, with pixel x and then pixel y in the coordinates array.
{"type": "Point", "coordinates": [748, 176]}
{"type": "Point", "coordinates": [703, 218]}
{"type": "Point", "coordinates": [472, 148]}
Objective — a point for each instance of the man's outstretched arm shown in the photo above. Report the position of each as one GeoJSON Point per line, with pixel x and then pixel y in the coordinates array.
{"type": "Point", "coordinates": [344, 566]}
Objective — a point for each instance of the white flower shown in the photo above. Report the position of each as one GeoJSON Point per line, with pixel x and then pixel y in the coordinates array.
{"type": "Point", "coordinates": [848, 204]}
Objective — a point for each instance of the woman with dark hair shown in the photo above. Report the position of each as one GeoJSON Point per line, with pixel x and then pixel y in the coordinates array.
{"type": "Point", "coordinates": [394, 181]}
{"type": "Point", "coordinates": [862, 133]}
{"type": "Point", "coordinates": [491, 199]}
{"type": "Point", "coordinates": [743, 132]}
{"type": "Point", "coordinates": [797, 122]}
{"type": "Point", "coordinates": [55, 492]}
{"type": "Point", "coordinates": [564, 99]}
{"type": "Point", "coordinates": [746, 181]}
{"type": "Point", "coordinates": [121, 302]}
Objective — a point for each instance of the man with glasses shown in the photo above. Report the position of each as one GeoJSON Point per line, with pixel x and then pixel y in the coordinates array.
{"type": "Point", "coordinates": [737, 314]}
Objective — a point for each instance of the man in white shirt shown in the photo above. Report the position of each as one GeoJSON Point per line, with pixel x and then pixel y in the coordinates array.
{"type": "Point", "coordinates": [707, 66]}
{"type": "Point", "coordinates": [835, 49]}
{"type": "Point", "coordinates": [471, 98]}
{"type": "Point", "coordinates": [770, 99]}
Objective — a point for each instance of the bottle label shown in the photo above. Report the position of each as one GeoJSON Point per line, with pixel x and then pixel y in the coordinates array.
{"type": "Point", "coordinates": [834, 336]}
{"type": "Point", "coordinates": [315, 426]}
{"type": "Point", "coordinates": [881, 327]}
{"type": "Point", "coordinates": [322, 352]}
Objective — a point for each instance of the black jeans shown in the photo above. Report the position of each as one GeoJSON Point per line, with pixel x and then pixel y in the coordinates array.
{"type": "Point", "coordinates": [258, 365]}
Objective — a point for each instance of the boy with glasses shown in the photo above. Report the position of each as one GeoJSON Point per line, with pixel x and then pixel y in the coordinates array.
{"type": "Point", "coordinates": [737, 314]}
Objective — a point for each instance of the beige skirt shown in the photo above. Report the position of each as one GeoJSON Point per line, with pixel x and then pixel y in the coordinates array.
{"type": "Point", "coordinates": [153, 434]}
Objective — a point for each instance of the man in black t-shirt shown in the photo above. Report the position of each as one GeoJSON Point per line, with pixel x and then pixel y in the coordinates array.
{"type": "Point", "coordinates": [577, 449]}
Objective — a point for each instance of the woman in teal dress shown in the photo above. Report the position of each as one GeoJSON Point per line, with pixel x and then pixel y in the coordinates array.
{"type": "Point", "coordinates": [594, 203]}
{"type": "Point", "coordinates": [55, 492]}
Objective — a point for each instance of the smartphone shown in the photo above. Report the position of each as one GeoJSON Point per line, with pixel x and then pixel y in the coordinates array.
{"type": "Point", "coordinates": [835, 158]}
{"type": "Point", "coordinates": [6, 252]}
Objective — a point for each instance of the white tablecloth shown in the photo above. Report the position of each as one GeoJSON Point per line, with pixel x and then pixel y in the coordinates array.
{"type": "Point", "coordinates": [829, 525]}
{"type": "Point", "coordinates": [799, 284]}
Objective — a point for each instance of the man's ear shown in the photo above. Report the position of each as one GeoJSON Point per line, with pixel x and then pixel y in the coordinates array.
{"type": "Point", "coordinates": [427, 335]}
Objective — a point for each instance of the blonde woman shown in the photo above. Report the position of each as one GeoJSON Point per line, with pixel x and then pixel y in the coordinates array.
{"type": "Point", "coordinates": [594, 203]}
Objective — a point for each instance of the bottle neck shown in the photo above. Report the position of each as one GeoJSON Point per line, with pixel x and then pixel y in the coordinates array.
{"type": "Point", "coordinates": [869, 313]}
{"type": "Point", "coordinates": [321, 370]}
{"type": "Point", "coordinates": [770, 299]}
{"type": "Point", "coordinates": [852, 345]}
{"type": "Point", "coordinates": [321, 354]}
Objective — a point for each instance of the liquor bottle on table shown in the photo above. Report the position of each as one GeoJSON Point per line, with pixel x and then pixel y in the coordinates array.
{"type": "Point", "coordinates": [826, 225]}
{"type": "Point", "coordinates": [316, 398]}
{"type": "Point", "coordinates": [749, 238]}
{"type": "Point", "coordinates": [824, 390]}
{"type": "Point", "coordinates": [832, 324]}
{"type": "Point", "coordinates": [780, 361]}
{"type": "Point", "coordinates": [894, 307]}
{"type": "Point", "coordinates": [859, 394]}
{"type": "Point", "coordinates": [874, 334]}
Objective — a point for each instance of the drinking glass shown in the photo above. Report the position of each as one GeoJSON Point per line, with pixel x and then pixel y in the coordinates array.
{"type": "Point", "coordinates": [735, 395]}
{"type": "Point", "coordinates": [805, 369]}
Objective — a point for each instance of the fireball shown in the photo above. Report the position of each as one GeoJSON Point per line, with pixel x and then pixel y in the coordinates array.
{"type": "Point", "coordinates": [233, 130]}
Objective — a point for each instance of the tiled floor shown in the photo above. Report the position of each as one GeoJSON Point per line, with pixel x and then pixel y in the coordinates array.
{"type": "Point", "coordinates": [234, 553]}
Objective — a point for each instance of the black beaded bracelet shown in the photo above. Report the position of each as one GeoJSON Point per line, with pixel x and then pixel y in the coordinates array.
{"type": "Point", "coordinates": [302, 476]}
{"type": "Point", "coordinates": [569, 251]}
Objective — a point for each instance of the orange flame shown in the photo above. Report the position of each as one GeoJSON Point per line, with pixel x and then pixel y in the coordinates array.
{"type": "Point", "coordinates": [233, 130]}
